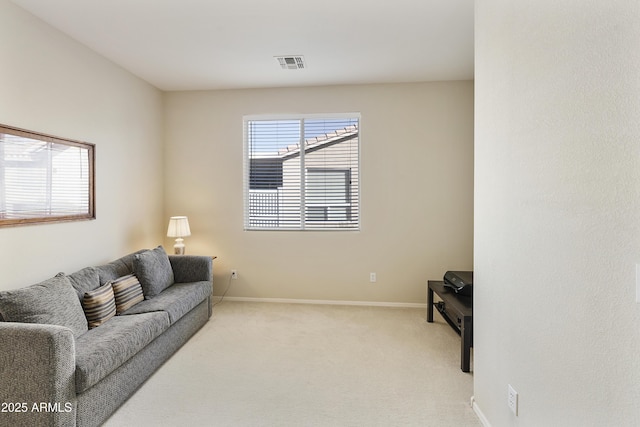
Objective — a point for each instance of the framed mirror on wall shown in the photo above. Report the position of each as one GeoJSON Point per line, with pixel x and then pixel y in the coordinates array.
{"type": "Point", "coordinates": [44, 178]}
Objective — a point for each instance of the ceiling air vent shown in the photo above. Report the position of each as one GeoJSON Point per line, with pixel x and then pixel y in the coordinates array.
{"type": "Point", "coordinates": [295, 62]}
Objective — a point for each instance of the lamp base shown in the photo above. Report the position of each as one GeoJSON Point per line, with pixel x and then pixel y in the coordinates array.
{"type": "Point", "coordinates": [178, 248]}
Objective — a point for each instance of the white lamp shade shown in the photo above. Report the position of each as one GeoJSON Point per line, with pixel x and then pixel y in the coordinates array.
{"type": "Point", "coordinates": [178, 227]}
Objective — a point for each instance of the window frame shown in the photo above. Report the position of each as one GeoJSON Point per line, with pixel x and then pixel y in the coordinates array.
{"type": "Point", "coordinates": [306, 224]}
{"type": "Point", "coordinates": [36, 217]}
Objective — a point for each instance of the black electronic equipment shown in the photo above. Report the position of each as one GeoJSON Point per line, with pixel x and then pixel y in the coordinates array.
{"type": "Point", "coordinates": [460, 281]}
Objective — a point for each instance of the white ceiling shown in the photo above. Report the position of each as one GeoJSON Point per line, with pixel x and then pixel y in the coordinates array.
{"type": "Point", "coordinates": [219, 44]}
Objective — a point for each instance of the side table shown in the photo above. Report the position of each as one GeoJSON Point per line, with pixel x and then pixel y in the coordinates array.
{"type": "Point", "coordinates": [457, 310]}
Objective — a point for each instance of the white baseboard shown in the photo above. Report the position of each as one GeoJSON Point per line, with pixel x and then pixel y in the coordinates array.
{"type": "Point", "coordinates": [328, 302]}
{"type": "Point", "coordinates": [476, 409]}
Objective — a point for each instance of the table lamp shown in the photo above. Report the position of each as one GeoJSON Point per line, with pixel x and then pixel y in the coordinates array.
{"type": "Point", "coordinates": [179, 228]}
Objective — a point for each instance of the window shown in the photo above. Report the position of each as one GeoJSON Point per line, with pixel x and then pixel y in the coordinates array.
{"type": "Point", "coordinates": [44, 178]}
{"type": "Point", "coordinates": [323, 205]}
{"type": "Point", "coordinates": [302, 173]}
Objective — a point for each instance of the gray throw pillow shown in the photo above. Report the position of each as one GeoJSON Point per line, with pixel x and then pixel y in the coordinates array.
{"type": "Point", "coordinates": [52, 302]}
{"type": "Point", "coordinates": [153, 269]}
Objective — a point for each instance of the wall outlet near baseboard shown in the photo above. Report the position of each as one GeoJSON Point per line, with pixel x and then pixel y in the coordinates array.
{"type": "Point", "coordinates": [234, 274]}
{"type": "Point", "coordinates": [512, 400]}
{"type": "Point", "coordinates": [372, 277]}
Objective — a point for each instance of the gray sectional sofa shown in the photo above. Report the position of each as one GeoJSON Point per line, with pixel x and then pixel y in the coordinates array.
{"type": "Point", "coordinates": [57, 371]}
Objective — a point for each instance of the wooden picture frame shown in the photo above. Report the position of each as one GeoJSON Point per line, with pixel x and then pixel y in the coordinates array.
{"type": "Point", "coordinates": [44, 178]}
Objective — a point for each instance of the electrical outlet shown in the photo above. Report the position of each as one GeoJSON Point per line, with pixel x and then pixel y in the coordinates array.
{"type": "Point", "coordinates": [512, 400]}
{"type": "Point", "coordinates": [372, 277]}
{"type": "Point", "coordinates": [234, 274]}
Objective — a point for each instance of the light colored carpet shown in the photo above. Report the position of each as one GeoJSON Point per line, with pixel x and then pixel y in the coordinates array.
{"type": "Point", "coordinates": [272, 364]}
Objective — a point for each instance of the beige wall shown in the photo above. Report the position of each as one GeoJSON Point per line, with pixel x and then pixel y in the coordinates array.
{"type": "Point", "coordinates": [416, 191]}
{"type": "Point", "coordinates": [51, 84]}
{"type": "Point", "coordinates": [557, 202]}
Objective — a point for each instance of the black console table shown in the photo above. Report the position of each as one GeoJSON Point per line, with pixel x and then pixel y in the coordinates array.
{"type": "Point", "coordinates": [457, 310]}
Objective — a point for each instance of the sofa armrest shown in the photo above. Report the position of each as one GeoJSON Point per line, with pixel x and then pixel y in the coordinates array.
{"type": "Point", "coordinates": [37, 375]}
{"type": "Point", "coordinates": [191, 268]}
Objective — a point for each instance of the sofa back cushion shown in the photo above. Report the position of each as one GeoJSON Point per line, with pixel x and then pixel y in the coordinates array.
{"type": "Point", "coordinates": [85, 280]}
{"type": "Point", "coordinates": [117, 268]}
{"type": "Point", "coordinates": [153, 269]}
{"type": "Point", "coordinates": [53, 301]}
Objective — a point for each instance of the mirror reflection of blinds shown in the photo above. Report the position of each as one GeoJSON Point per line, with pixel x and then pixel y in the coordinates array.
{"type": "Point", "coordinates": [42, 179]}
{"type": "Point", "coordinates": [302, 174]}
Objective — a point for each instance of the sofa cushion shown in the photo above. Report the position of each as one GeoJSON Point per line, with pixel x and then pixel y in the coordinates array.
{"type": "Point", "coordinates": [177, 300]}
{"type": "Point", "coordinates": [127, 292]}
{"type": "Point", "coordinates": [84, 280]}
{"type": "Point", "coordinates": [117, 268]}
{"type": "Point", "coordinates": [52, 302]}
{"type": "Point", "coordinates": [154, 271]}
{"type": "Point", "coordinates": [99, 305]}
{"type": "Point", "coordinates": [102, 350]}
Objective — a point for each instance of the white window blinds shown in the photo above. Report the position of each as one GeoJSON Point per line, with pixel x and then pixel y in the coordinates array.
{"type": "Point", "coordinates": [302, 173]}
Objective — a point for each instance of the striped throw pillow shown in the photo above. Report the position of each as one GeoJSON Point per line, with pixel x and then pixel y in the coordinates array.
{"type": "Point", "coordinates": [99, 305]}
{"type": "Point", "coordinates": [127, 291]}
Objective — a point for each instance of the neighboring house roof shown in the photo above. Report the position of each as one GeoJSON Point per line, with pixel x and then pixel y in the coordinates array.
{"type": "Point", "coordinates": [266, 171]}
{"type": "Point", "coordinates": [319, 142]}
